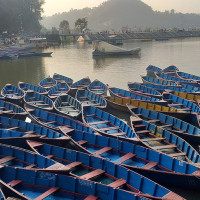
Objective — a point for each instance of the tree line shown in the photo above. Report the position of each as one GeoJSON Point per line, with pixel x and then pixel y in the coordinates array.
{"type": "Point", "coordinates": [20, 15]}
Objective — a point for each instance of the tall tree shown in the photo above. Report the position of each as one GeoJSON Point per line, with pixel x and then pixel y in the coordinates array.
{"type": "Point", "coordinates": [81, 24]}
{"type": "Point", "coordinates": [19, 14]}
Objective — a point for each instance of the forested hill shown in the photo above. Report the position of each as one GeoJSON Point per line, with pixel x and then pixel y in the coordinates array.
{"type": "Point", "coordinates": [115, 14]}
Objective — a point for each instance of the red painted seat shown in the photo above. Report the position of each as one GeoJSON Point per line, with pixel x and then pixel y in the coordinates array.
{"type": "Point", "coordinates": [127, 157]}
{"type": "Point", "coordinates": [92, 174]}
{"type": "Point", "coordinates": [118, 183]}
{"type": "Point", "coordinates": [101, 151]}
{"type": "Point", "coordinates": [47, 193]}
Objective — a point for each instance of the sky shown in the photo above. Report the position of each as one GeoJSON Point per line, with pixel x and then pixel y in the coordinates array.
{"type": "Point", "coordinates": [185, 6]}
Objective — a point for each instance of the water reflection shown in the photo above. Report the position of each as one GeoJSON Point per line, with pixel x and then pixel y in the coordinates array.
{"type": "Point", "coordinates": [31, 70]}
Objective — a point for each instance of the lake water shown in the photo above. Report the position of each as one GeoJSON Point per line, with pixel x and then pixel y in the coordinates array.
{"type": "Point", "coordinates": [75, 61]}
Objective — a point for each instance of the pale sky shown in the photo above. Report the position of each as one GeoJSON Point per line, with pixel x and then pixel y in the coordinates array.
{"type": "Point", "coordinates": [186, 6]}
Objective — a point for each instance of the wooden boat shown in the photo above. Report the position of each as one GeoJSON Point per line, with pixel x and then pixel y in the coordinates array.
{"type": "Point", "coordinates": [142, 89]}
{"type": "Point", "coordinates": [85, 96]}
{"type": "Point", "coordinates": [160, 167]}
{"type": "Point", "coordinates": [97, 87]}
{"type": "Point", "coordinates": [47, 83]}
{"type": "Point", "coordinates": [120, 93]}
{"type": "Point", "coordinates": [107, 124]}
{"type": "Point", "coordinates": [102, 48]}
{"type": "Point", "coordinates": [60, 78]}
{"type": "Point", "coordinates": [59, 89]}
{"type": "Point", "coordinates": [12, 93]}
{"type": "Point", "coordinates": [175, 80]}
{"type": "Point", "coordinates": [83, 83]}
{"type": "Point", "coordinates": [190, 88]}
{"type": "Point", "coordinates": [151, 69]}
{"type": "Point", "coordinates": [181, 128]}
{"type": "Point", "coordinates": [163, 141]}
{"type": "Point", "coordinates": [87, 167]}
{"type": "Point", "coordinates": [54, 121]}
{"type": "Point", "coordinates": [8, 109]}
{"type": "Point", "coordinates": [19, 158]}
{"type": "Point", "coordinates": [191, 97]}
{"type": "Point", "coordinates": [36, 100]}
{"type": "Point", "coordinates": [171, 68]}
{"type": "Point", "coordinates": [42, 185]}
{"type": "Point", "coordinates": [180, 103]}
{"type": "Point", "coordinates": [185, 75]}
{"type": "Point", "coordinates": [67, 105]}
{"type": "Point", "coordinates": [26, 87]}
{"type": "Point", "coordinates": [155, 81]}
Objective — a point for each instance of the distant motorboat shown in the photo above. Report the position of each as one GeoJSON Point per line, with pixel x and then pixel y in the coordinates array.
{"type": "Point", "coordinates": [102, 48]}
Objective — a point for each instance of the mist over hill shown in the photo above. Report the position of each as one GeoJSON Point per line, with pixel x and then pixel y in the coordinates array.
{"type": "Point", "coordinates": [115, 14]}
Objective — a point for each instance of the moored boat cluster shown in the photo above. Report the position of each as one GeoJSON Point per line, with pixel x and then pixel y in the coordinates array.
{"type": "Point", "coordinates": [58, 140]}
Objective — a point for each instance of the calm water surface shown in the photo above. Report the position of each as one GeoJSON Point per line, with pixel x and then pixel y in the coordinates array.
{"type": "Point", "coordinates": [75, 61]}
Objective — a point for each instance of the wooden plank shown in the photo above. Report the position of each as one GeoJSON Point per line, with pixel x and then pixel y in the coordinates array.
{"type": "Point", "coordinates": [136, 119]}
{"type": "Point", "coordinates": [73, 164]}
{"type": "Point", "coordinates": [14, 183]}
{"type": "Point", "coordinates": [47, 193]}
{"type": "Point", "coordinates": [91, 197]}
{"type": "Point", "coordinates": [142, 132]}
{"type": "Point", "coordinates": [92, 174]}
{"type": "Point", "coordinates": [30, 166]}
{"type": "Point", "coordinates": [178, 154]}
{"type": "Point", "coordinates": [99, 122]}
{"type": "Point", "coordinates": [118, 134]}
{"type": "Point", "coordinates": [51, 122]}
{"type": "Point", "coordinates": [66, 129]}
{"type": "Point", "coordinates": [57, 166]}
{"type": "Point", "coordinates": [150, 165]}
{"type": "Point", "coordinates": [169, 146]}
{"type": "Point", "coordinates": [50, 156]}
{"type": "Point", "coordinates": [153, 121]}
{"type": "Point", "coordinates": [35, 144]}
{"type": "Point", "coordinates": [153, 139]}
{"type": "Point", "coordinates": [82, 142]}
{"type": "Point", "coordinates": [12, 128]}
{"type": "Point", "coordinates": [127, 157]}
{"type": "Point", "coordinates": [101, 151]}
{"type": "Point", "coordinates": [139, 126]}
{"type": "Point", "coordinates": [118, 183]}
{"type": "Point", "coordinates": [109, 128]}
{"type": "Point", "coordinates": [6, 159]}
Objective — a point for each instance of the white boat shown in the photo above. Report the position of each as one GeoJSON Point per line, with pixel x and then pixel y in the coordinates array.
{"type": "Point", "coordinates": [102, 48]}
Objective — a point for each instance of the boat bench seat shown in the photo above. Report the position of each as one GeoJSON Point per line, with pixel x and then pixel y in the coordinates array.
{"type": "Point", "coordinates": [150, 165]}
{"type": "Point", "coordinates": [47, 193]}
{"type": "Point", "coordinates": [127, 157]}
{"type": "Point", "coordinates": [167, 125]}
{"type": "Point", "coordinates": [109, 128]}
{"type": "Point", "coordinates": [35, 144]}
{"type": "Point", "coordinates": [101, 151]}
{"type": "Point", "coordinates": [91, 197]}
{"type": "Point", "coordinates": [50, 156]}
{"type": "Point", "coordinates": [73, 164]}
{"type": "Point", "coordinates": [12, 128]}
{"type": "Point", "coordinates": [178, 154]}
{"type": "Point", "coordinates": [136, 119]}
{"type": "Point", "coordinates": [92, 174]}
{"type": "Point", "coordinates": [90, 115]}
{"type": "Point", "coordinates": [14, 183]}
{"type": "Point", "coordinates": [153, 139]}
{"type": "Point", "coordinates": [97, 89]}
{"type": "Point", "coordinates": [82, 142]}
{"type": "Point", "coordinates": [176, 104]}
{"type": "Point", "coordinates": [57, 166]}
{"type": "Point", "coordinates": [30, 132]}
{"type": "Point", "coordinates": [165, 146]}
{"type": "Point", "coordinates": [30, 166]}
{"type": "Point", "coordinates": [142, 132]}
{"type": "Point", "coordinates": [118, 134]}
{"type": "Point", "coordinates": [6, 159]}
{"type": "Point", "coordinates": [51, 122]}
{"type": "Point", "coordinates": [153, 120]}
{"type": "Point", "coordinates": [99, 122]}
{"type": "Point", "coordinates": [118, 183]}
{"type": "Point", "coordinates": [7, 111]}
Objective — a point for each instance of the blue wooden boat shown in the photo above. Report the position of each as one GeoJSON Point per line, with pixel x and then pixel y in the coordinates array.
{"type": "Point", "coordinates": [190, 88]}
{"type": "Point", "coordinates": [155, 81]}
{"type": "Point", "coordinates": [42, 185]}
{"type": "Point", "coordinates": [159, 167]}
{"type": "Point", "coordinates": [20, 158]}
{"type": "Point", "coordinates": [181, 128]}
{"type": "Point", "coordinates": [47, 83]}
{"type": "Point", "coordinates": [54, 121]}
{"type": "Point", "coordinates": [95, 169]}
{"type": "Point", "coordinates": [116, 92]}
{"type": "Point", "coordinates": [151, 69]}
{"type": "Point", "coordinates": [12, 93]}
{"type": "Point", "coordinates": [59, 89]}
{"type": "Point", "coordinates": [85, 96]}
{"type": "Point", "coordinates": [60, 78]}
{"type": "Point", "coordinates": [175, 80]}
{"type": "Point", "coordinates": [10, 110]}
{"type": "Point", "coordinates": [142, 89]}
{"type": "Point", "coordinates": [161, 140]}
{"type": "Point", "coordinates": [171, 68]}
{"type": "Point", "coordinates": [27, 87]}
{"type": "Point", "coordinates": [107, 124]}
{"type": "Point", "coordinates": [83, 83]}
{"type": "Point", "coordinates": [185, 75]}
{"type": "Point", "coordinates": [97, 87]}
{"type": "Point", "coordinates": [67, 105]}
{"type": "Point", "coordinates": [36, 100]}
{"type": "Point", "coordinates": [180, 103]}
{"type": "Point", "coordinates": [2, 97]}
